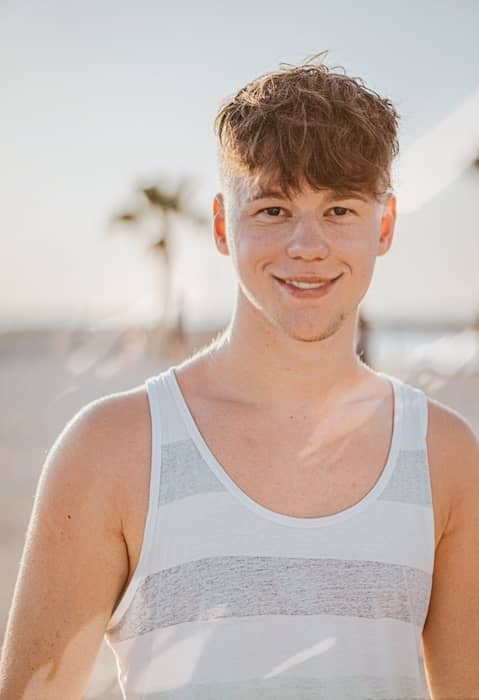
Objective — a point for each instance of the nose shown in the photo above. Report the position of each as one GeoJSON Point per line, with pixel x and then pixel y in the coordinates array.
{"type": "Point", "coordinates": [308, 240]}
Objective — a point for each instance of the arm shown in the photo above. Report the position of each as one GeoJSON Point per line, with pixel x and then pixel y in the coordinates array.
{"type": "Point", "coordinates": [451, 631]}
{"type": "Point", "coordinates": [74, 564]}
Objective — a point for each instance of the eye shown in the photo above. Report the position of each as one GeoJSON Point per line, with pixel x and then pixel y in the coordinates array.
{"type": "Point", "coordinates": [274, 212]}
{"type": "Point", "coordinates": [340, 211]}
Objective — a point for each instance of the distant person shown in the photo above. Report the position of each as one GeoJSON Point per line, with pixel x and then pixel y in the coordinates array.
{"type": "Point", "coordinates": [364, 333]}
{"type": "Point", "coordinates": [270, 518]}
{"type": "Point", "coordinates": [475, 329]}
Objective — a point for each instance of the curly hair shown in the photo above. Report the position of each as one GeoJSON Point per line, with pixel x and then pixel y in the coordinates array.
{"type": "Point", "coordinates": [309, 124]}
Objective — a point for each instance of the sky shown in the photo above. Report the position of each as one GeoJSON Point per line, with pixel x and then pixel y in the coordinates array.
{"type": "Point", "coordinates": [98, 97]}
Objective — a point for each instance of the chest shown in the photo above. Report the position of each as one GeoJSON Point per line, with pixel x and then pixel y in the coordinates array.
{"type": "Point", "coordinates": [291, 465]}
{"type": "Point", "coordinates": [295, 465]}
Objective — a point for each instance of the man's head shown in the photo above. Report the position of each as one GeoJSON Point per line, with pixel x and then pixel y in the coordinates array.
{"type": "Point", "coordinates": [297, 147]}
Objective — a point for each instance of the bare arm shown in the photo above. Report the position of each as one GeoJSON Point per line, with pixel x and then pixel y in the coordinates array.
{"type": "Point", "coordinates": [74, 564]}
{"type": "Point", "coordinates": [451, 632]}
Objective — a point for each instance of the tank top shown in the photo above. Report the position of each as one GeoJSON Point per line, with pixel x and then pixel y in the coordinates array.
{"type": "Point", "coordinates": [233, 601]}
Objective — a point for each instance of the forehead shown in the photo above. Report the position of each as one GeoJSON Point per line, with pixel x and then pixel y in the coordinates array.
{"type": "Point", "coordinates": [249, 189]}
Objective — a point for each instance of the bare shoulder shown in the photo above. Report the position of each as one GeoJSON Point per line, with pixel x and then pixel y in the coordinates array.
{"type": "Point", "coordinates": [123, 408]}
{"type": "Point", "coordinates": [104, 453]}
{"type": "Point", "coordinates": [451, 631]}
{"type": "Point", "coordinates": [453, 449]}
{"type": "Point", "coordinates": [116, 430]}
{"type": "Point", "coordinates": [109, 440]}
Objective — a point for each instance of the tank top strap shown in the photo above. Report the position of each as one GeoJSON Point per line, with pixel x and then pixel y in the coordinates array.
{"type": "Point", "coordinates": [415, 417]}
{"type": "Point", "coordinates": [412, 404]}
{"type": "Point", "coordinates": [410, 482]}
{"type": "Point", "coordinates": [167, 425]}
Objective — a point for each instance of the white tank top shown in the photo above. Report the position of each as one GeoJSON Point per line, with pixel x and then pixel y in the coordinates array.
{"type": "Point", "coordinates": [233, 601]}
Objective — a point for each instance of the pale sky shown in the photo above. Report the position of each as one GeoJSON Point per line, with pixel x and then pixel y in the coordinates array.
{"type": "Point", "coordinates": [98, 95]}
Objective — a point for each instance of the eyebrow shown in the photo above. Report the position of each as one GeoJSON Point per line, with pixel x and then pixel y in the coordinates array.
{"type": "Point", "coordinates": [267, 194]}
{"type": "Point", "coordinates": [334, 195]}
{"type": "Point", "coordinates": [346, 195]}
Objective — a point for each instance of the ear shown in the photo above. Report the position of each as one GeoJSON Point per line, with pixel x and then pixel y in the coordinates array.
{"type": "Point", "coordinates": [219, 224]}
{"type": "Point", "coordinates": [388, 221]}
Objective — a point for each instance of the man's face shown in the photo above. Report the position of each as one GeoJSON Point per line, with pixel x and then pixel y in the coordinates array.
{"type": "Point", "coordinates": [278, 244]}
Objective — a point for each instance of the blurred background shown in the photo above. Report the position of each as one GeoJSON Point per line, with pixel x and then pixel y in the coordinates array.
{"type": "Point", "coordinates": [108, 272]}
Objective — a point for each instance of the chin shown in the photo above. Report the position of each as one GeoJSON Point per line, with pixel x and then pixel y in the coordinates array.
{"type": "Point", "coordinates": [311, 338]}
{"type": "Point", "coordinates": [313, 333]}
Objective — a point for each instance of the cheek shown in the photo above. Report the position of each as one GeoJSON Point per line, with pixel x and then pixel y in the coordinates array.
{"type": "Point", "coordinates": [366, 264]}
{"type": "Point", "coordinates": [353, 248]}
{"type": "Point", "coordinates": [254, 245]}
{"type": "Point", "coordinates": [359, 253]}
{"type": "Point", "coordinates": [361, 244]}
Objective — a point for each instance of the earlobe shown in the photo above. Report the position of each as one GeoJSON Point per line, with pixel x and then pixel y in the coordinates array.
{"type": "Point", "coordinates": [219, 224]}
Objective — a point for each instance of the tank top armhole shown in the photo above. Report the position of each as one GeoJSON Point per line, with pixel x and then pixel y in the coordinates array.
{"type": "Point", "coordinates": [152, 513]}
{"type": "Point", "coordinates": [423, 421]}
{"type": "Point", "coordinates": [423, 415]}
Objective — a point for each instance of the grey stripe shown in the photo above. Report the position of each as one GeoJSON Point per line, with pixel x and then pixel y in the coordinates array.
{"type": "Point", "coordinates": [184, 472]}
{"type": "Point", "coordinates": [409, 482]}
{"type": "Point", "coordinates": [346, 688]}
{"type": "Point", "coordinates": [225, 587]}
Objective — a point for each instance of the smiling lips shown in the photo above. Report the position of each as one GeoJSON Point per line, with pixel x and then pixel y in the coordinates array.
{"type": "Point", "coordinates": [307, 286]}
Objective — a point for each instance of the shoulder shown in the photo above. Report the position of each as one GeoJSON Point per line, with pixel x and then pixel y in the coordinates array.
{"type": "Point", "coordinates": [110, 423]}
{"type": "Point", "coordinates": [112, 409]}
{"type": "Point", "coordinates": [453, 450]}
{"type": "Point", "coordinates": [451, 438]}
{"type": "Point", "coordinates": [106, 446]}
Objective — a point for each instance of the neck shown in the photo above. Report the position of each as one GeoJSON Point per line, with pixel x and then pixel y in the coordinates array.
{"type": "Point", "coordinates": [257, 359]}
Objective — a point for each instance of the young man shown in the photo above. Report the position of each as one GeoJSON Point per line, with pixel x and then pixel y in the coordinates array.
{"type": "Point", "coordinates": [271, 518]}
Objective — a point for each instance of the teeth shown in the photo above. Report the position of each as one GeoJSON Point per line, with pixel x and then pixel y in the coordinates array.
{"type": "Point", "coordinates": [306, 285]}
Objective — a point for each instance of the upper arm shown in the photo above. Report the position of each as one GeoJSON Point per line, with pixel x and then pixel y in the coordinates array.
{"type": "Point", "coordinates": [74, 564]}
{"type": "Point", "coordinates": [451, 631]}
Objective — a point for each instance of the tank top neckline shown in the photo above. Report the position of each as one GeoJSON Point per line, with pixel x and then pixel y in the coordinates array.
{"type": "Point", "coordinates": [171, 382]}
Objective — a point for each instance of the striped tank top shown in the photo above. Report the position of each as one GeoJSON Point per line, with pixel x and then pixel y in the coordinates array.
{"type": "Point", "coordinates": [233, 601]}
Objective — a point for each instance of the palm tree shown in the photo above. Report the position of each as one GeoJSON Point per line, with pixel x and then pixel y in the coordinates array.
{"type": "Point", "coordinates": [164, 207]}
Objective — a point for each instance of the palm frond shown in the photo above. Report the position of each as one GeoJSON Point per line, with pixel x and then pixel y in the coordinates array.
{"type": "Point", "coordinates": [128, 217]}
{"type": "Point", "coordinates": [157, 197]}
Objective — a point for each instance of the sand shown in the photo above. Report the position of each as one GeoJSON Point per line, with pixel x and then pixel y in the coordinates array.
{"type": "Point", "coordinates": [46, 377]}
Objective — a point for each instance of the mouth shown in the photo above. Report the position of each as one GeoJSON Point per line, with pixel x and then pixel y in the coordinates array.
{"type": "Point", "coordinates": [307, 288]}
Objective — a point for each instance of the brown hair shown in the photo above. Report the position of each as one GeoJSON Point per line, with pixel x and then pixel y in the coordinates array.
{"type": "Point", "coordinates": [312, 124]}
